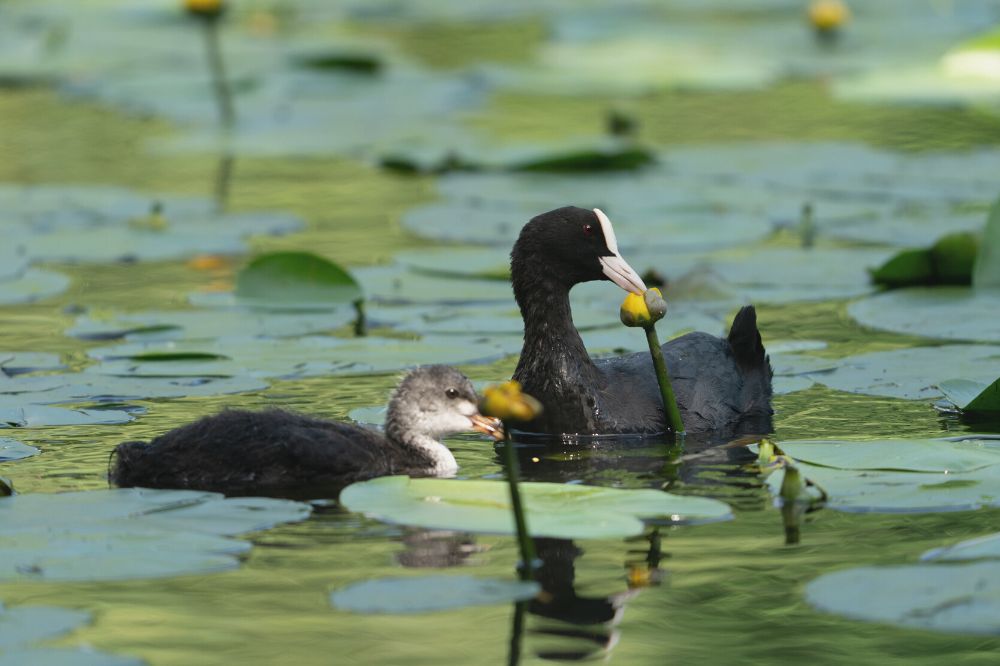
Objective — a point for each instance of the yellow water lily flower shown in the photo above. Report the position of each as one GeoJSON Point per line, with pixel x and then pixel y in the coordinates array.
{"type": "Point", "coordinates": [206, 8]}
{"type": "Point", "coordinates": [508, 402]}
{"type": "Point", "coordinates": [643, 310]}
{"type": "Point", "coordinates": [828, 15]}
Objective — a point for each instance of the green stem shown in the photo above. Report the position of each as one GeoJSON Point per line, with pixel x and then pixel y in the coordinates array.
{"type": "Point", "coordinates": [223, 95]}
{"type": "Point", "coordinates": [666, 390]}
{"type": "Point", "coordinates": [524, 539]}
{"type": "Point", "coordinates": [516, 632]}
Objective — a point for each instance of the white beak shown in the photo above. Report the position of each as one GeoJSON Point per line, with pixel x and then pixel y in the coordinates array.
{"type": "Point", "coordinates": [614, 267]}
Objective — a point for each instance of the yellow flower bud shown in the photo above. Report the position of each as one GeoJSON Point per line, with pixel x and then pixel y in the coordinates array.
{"type": "Point", "coordinates": [508, 403]}
{"type": "Point", "coordinates": [643, 310]}
{"type": "Point", "coordinates": [205, 8]}
{"type": "Point", "coordinates": [828, 15]}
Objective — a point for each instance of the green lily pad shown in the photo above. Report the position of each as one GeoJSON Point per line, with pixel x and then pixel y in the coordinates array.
{"type": "Point", "coordinates": [11, 449]}
{"type": "Point", "coordinates": [948, 261]}
{"type": "Point", "coordinates": [972, 396]}
{"type": "Point", "coordinates": [130, 533]}
{"type": "Point", "coordinates": [425, 594]}
{"type": "Point", "coordinates": [12, 261]}
{"type": "Point", "coordinates": [187, 324]}
{"type": "Point", "coordinates": [17, 414]}
{"type": "Point", "coordinates": [960, 598]}
{"type": "Point", "coordinates": [986, 273]}
{"type": "Point", "coordinates": [295, 280]}
{"type": "Point", "coordinates": [32, 285]}
{"type": "Point", "coordinates": [15, 363]}
{"type": "Point", "coordinates": [908, 373]}
{"type": "Point", "coordinates": [984, 547]}
{"type": "Point", "coordinates": [23, 625]}
{"type": "Point", "coordinates": [899, 476]}
{"type": "Point", "coordinates": [948, 313]}
{"type": "Point", "coordinates": [308, 356]}
{"type": "Point", "coordinates": [87, 388]}
{"type": "Point", "coordinates": [481, 263]}
{"type": "Point", "coordinates": [65, 657]}
{"type": "Point", "coordinates": [553, 510]}
{"type": "Point", "coordinates": [396, 284]}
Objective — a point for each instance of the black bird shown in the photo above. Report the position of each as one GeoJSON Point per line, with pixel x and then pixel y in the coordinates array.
{"type": "Point", "coordinates": [723, 385]}
{"type": "Point", "coordinates": [243, 452]}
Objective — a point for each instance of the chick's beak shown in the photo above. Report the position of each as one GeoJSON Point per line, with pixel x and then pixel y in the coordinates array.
{"type": "Point", "coordinates": [487, 425]}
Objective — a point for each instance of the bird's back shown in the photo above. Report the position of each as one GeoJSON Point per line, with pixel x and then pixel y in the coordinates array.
{"type": "Point", "coordinates": [239, 451]}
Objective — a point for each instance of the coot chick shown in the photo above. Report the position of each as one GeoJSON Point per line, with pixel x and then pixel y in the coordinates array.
{"type": "Point", "coordinates": [723, 385]}
{"type": "Point", "coordinates": [243, 452]}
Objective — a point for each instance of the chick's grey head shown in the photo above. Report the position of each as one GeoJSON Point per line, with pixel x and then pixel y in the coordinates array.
{"type": "Point", "coordinates": [435, 401]}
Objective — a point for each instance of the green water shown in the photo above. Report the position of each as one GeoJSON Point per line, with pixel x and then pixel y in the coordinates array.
{"type": "Point", "coordinates": [730, 593]}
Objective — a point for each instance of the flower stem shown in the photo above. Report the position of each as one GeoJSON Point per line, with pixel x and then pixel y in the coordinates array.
{"type": "Point", "coordinates": [524, 539]}
{"type": "Point", "coordinates": [666, 390]}
{"type": "Point", "coordinates": [223, 94]}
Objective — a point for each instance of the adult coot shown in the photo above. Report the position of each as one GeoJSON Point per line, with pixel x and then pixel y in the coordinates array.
{"type": "Point", "coordinates": [240, 451]}
{"type": "Point", "coordinates": [723, 385]}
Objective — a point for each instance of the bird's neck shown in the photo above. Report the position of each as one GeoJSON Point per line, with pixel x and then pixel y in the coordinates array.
{"type": "Point", "coordinates": [440, 461]}
{"type": "Point", "coordinates": [552, 345]}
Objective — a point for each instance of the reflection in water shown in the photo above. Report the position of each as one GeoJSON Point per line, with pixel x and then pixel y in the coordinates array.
{"type": "Point", "coordinates": [223, 178]}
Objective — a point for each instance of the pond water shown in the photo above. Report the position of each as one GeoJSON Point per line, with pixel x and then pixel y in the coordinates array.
{"type": "Point", "coordinates": [723, 592]}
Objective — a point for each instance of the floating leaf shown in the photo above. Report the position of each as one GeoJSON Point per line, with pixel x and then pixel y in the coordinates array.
{"type": "Point", "coordinates": [986, 274]}
{"type": "Point", "coordinates": [962, 598]}
{"type": "Point", "coordinates": [295, 280]}
{"type": "Point", "coordinates": [948, 261]}
{"type": "Point", "coordinates": [87, 388]}
{"type": "Point", "coordinates": [32, 285]}
{"type": "Point", "coordinates": [972, 397]}
{"type": "Point", "coordinates": [187, 324]}
{"type": "Point", "coordinates": [11, 449]}
{"type": "Point", "coordinates": [899, 476]}
{"type": "Point", "coordinates": [971, 549]}
{"type": "Point", "coordinates": [553, 510]}
{"type": "Point", "coordinates": [29, 624]}
{"type": "Point", "coordinates": [17, 414]}
{"type": "Point", "coordinates": [130, 533]}
{"type": "Point", "coordinates": [908, 373]}
{"type": "Point", "coordinates": [15, 363]}
{"type": "Point", "coordinates": [424, 594]}
{"type": "Point", "coordinates": [949, 313]}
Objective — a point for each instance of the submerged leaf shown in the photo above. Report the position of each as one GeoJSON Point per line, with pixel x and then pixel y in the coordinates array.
{"type": "Point", "coordinates": [11, 449]}
{"type": "Point", "coordinates": [424, 594]}
{"type": "Point", "coordinates": [23, 625]}
{"type": "Point", "coordinates": [553, 510]}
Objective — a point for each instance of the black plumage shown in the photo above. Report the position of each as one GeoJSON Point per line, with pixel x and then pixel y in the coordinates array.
{"type": "Point", "coordinates": [723, 385]}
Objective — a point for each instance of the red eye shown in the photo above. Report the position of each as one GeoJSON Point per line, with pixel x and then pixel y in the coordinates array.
{"type": "Point", "coordinates": [588, 230]}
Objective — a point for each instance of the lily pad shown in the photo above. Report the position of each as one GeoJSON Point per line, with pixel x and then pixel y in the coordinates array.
{"type": "Point", "coordinates": [295, 280]}
{"type": "Point", "coordinates": [961, 598]}
{"type": "Point", "coordinates": [396, 284]}
{"type": "Point", "coordinates": [188, 324]}
{"type": "Point", "coordinates": [986, 274]}
{"type": "Point", "coordinates": [984, 547]}
{"type": "Point", "coordinates": [553, 510]}
{"type": "Point", "coordinates": [908, 373]}
{"type": "Point", "coordinates": [130, 533]}
{"type": "Point", "coordinates": [17, 414]}
{"type": "Point", "coordinates": [948, 313]}
{"type": "Point", "coordinates": [972, 397]}
{"type": "Point", "coordinates": [87, 388]}
{"type": "Point", "coordinates": [948, 261]}
{"type": "Point", "coordinates": [33, 285]}
{"type": "Point", "coordinates": [425, 594]}
{"type": "Point", "coordinates": [23, 625]}
{"type": "Point", "coordinates": [899, 476]}
{"type": "Point", "coordinates": [308, 356]}
{"type": "Point", "coordinates": [15, 363]}
{"type": "Point", "coordinates": [11, 449]}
